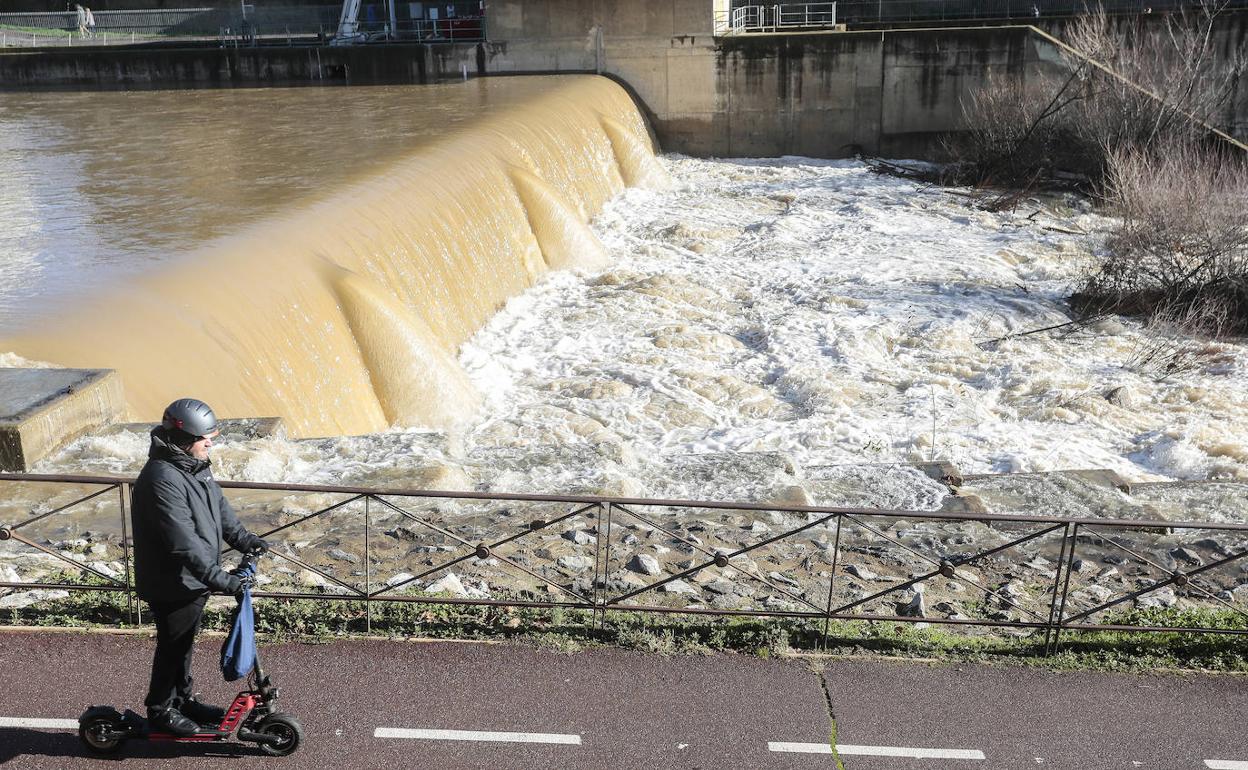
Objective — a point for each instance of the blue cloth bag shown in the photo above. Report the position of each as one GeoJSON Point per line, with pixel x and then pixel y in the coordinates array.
{"type": "Point", "coordinates": [238, 652]}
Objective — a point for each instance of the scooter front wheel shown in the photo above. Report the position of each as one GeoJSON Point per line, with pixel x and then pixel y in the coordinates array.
{"type": "Point", "coordinates": [284, 727]}
{"type": "Point", "coordinates": [98, 734]}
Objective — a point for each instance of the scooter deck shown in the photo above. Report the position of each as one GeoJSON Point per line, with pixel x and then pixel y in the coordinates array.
{"type": "Point", "coordinates": [206, 733]}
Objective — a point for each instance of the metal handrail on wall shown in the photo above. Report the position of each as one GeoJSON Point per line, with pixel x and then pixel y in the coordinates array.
{"type": "Point", "coordinates": [782, 17]}
{"type": "Point", "coordinates": [857, 14]}
{"type": "Point", "coordinates": [1059, 598]}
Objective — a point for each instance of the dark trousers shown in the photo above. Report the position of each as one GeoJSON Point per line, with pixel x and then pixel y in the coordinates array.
{"type": "Point", "coordinates": [177, 623]}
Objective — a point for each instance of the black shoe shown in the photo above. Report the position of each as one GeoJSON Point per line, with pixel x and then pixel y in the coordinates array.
{"type": "Point", "coordinates": [201, 713]}
{"type": "Point", "coordinates": [172, 721]}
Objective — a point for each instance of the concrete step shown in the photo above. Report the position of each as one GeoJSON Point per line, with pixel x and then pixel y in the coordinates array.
{"type": "Point", "coordinates": [41, 410]}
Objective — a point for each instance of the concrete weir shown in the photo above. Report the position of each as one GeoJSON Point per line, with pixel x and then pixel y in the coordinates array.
{"type": "Point", "coordinates": [42, 409]}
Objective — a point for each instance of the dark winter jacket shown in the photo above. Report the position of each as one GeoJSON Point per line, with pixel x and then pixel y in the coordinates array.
{"type": "Point", "coordinates": [180, 520]}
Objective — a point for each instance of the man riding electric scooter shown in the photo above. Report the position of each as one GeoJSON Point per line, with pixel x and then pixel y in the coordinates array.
{"type": "Point", "coordinates": [180, 520]}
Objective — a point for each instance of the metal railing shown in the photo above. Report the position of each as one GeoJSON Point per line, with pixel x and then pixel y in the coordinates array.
{"type": "Point", "coordinates": [605, 555]}
{"type": "Point", "coordinates": [857, 13]}
{"type": "Point", "coordinates": [782, 17]}
{"type": "Point", "coordinates": [255, 25]}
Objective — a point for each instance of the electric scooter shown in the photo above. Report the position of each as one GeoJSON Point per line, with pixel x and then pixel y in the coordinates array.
{"type": "Point", "coordinates": [253, 714]}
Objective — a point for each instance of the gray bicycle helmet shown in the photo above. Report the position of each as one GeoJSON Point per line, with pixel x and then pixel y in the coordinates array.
{"type": "Point", "coordinates": [190, 417]}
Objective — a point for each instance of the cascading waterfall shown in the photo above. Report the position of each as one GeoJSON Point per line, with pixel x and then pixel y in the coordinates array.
{"type": "Point", "coordinates": [343, 317]}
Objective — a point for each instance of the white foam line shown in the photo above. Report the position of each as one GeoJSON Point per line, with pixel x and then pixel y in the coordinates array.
{"type": "Point", "coordinates": [1225, 764]}
{"type": "Point", "coordinates": [476, 735]}
{"type": "Point", "coordinates": [39, 724]}
{"type": "Point", "coordinates": [875, 751]}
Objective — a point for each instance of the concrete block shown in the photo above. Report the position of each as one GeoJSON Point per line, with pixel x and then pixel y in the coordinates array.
{"type": "Point", "coordinates": [41, 410]}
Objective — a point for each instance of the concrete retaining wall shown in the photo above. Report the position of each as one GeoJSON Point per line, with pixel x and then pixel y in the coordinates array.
{"type": "Point", "coordinates": [145, 67]}
{"type": "Point", "coordinates": [824, 95]}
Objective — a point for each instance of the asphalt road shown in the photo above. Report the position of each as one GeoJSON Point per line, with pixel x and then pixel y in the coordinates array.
{"type": "Point", "coordinates": [617, 709]}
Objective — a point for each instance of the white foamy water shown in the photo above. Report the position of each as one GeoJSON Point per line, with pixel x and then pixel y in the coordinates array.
{"type": "Point", "coordinates": [766, 319]}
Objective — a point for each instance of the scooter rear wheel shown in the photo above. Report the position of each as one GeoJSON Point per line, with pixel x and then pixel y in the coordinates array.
{"type": "Point", "coordinates": [282, 726]}
{"type": "Point", "coordinates": [93, 733]}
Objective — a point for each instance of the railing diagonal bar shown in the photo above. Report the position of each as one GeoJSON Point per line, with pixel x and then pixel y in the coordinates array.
{"type": "Point", "coordinates": [302, 519]}
{"type": "Point", "coordinates": [659, 584]}
{"type": "Point", "coordinates": [430, 571]}
{"type": "Point", "coordinates": [502, 558]}
{"type": "Point", "coordinates": [66, 559]}
{"type": "Point", "coordinates": [545, 524]}
{"type": "Point", "coordinates": [423, 521]}
{"type": "Point", "coordinates": [299, 562]}
{"type": "Point", "coordinates": [46, 514]}
{"type": "Point", "coordinates": [709, 552]}
{"type": "Point", "coordinates": [1159, 584]}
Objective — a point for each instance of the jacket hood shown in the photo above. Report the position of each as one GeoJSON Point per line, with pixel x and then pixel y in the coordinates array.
{"type": "Point", "coordinates": [164, 449]}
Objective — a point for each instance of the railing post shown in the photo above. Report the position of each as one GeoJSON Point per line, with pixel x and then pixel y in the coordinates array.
{"type": "Point", "coordinates": [602, 563]}
{"type": "Point", "coordinates": [836, 554]}
{"type": "Point", "coordinates": [1070, 568]}
{"type": "Point", "coordinates": [368, 566]}
{"type": "Point", "coordinates": [131, 609]}
{"type": "Point", "coordinates": [606, 565]}
{"type": "Point", "coordinates": [1057, 587]}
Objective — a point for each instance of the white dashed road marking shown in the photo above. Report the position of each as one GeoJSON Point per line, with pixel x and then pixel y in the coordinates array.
{"type": "Point", "coordinates": [39, 724]}
{"type": "Point", "coordinates": [1225, 764]}
{"type": "Point", "coordinates": [875, 751]}
{"type": "Point", "coordinates": [476, 735]}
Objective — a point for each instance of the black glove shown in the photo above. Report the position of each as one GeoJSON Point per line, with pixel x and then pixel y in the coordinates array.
{"type": "Point", "coordinates": [258, 546]}
{"type": "Point", "coordinates": [244, 581]}
{"type": "Point", "coordinates": [232, 585]}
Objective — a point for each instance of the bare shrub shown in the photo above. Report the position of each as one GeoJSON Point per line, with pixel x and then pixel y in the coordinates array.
{"type": "Point", "coordinates": [1173, 339]}
{"type": "Point", "coordinates": [1181, 250]}
{"type": "Point", "coordinates": [1017, 137]}
{"type": "Point", "coordinates": [1134, 113]}
{"type": "Point", "coordinates": [1173, 79]}
{"type": "Point", "coordinates": [1132, 84]}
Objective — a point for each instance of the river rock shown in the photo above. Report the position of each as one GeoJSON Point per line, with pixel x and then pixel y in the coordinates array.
{"type": "Point", "coordinates": [645, 564]}
{"type": "Point", "coordinates": [575, 563]}
{"type": "Point", "coordinates": [783, 579]}
{"type": "Point", "coordinates": [1098, 594]}
{"type": "Point", "coordinates": [678, 587]}
{"type": "Point", "coordinates": [405, 533]}
{"type": "Point", "coordinates": [341, 555]}
{"type": "Point", "coordinates": [17, 601]}
{"type": "Point", "coordinates": [1212, 545]}
{"type": "Point", "coordinates": [1123, 396]}
{"type": "Point", "coordinates": [105, 568]}
{"type": "Point", "coordinates": [310, 579]}
{"type": "Point", "coordinates": [913, 606]}
{"type": "Point", "coordinates": [402, 577]}
{"type": "Point", "coordinates": [861, 572]}
{"type": "Point", "coordinates": [1164, 597]}
{"type": "Point", "coordinates": [581, 537]}
{"type": "Point", "coordinates": [1188, 558]}
{"type": "Point", "coordinates": [623, 580]}
{"type": "Point", "coordinates": [447, 584]}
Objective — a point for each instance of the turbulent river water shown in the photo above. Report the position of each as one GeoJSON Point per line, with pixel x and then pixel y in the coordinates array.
{"type": "Point", "coordinates": [753, 326]}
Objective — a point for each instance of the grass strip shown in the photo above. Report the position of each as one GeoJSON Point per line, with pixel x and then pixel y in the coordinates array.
{"type": "Point", "coordinates": [570, 630]}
